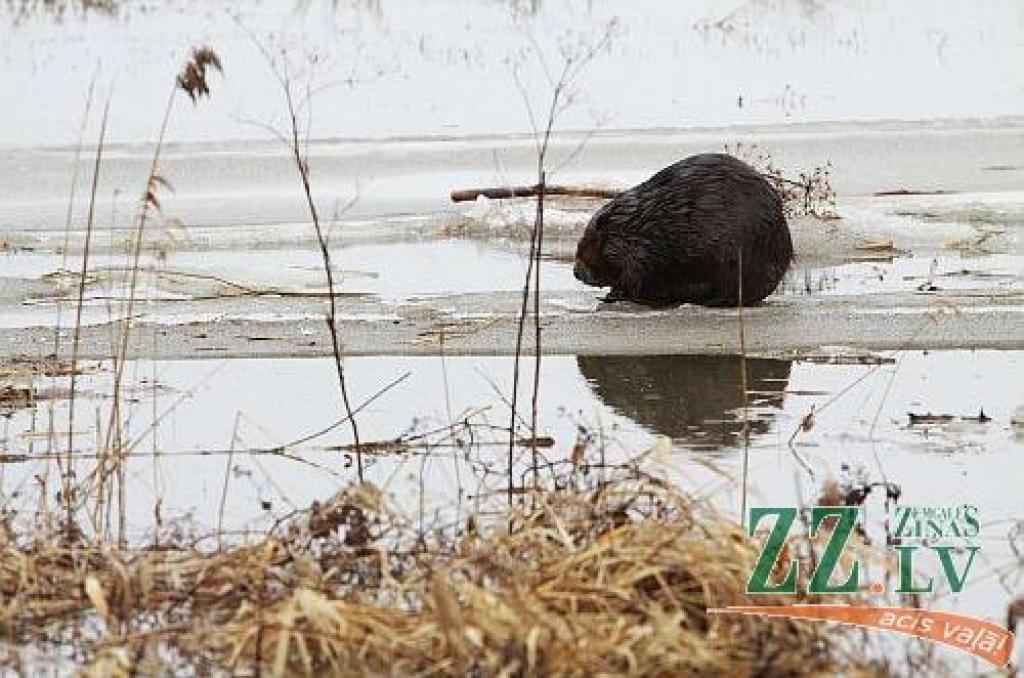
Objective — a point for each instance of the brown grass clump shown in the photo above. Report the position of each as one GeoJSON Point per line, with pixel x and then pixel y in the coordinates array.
{"type": "Point", "coordinates": [616, 580]}
{"type": "Point", "coordinates": [809, 194]}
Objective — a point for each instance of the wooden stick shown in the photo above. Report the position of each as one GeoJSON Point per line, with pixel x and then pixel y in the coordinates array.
{"type": "Point", "coordinates": [502, 192]}
{"type": "Point", "coordinates": [468, 194]}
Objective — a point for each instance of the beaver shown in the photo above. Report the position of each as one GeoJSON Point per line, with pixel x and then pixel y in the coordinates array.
{"type": "Point", "coordinates": [677, 237]}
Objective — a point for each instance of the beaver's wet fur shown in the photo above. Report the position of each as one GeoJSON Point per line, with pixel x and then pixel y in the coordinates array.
{"type": "Point", "coordinates": [677, 237]}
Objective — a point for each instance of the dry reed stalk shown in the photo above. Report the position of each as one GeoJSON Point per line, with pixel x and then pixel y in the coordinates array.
{"type": "Point", "coordinates": [743, 390]}
{"type": "Point", "coordinates": [534, 403]}
{"type": "Point", "coordinates": [192, 80]}
{"type": "Point", "coordinates": [68, 219]}
{"type": "Point", "coordinates": [120, 357]}
{"type": "Point", "coordinates": [69, 472]}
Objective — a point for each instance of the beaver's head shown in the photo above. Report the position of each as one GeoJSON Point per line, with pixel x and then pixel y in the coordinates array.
{"type": "Point", "coordinates": [592, 266]}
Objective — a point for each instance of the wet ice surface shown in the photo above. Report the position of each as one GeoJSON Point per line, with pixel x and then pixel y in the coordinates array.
{"type": "Point", "coordinates": [472, 260]}
{"type": "Point", "coordinates": [397, 272]}
{"type": "Point", "coordinates": [390, 273]}
{"type": "Point", "coordinates": [945, 272]}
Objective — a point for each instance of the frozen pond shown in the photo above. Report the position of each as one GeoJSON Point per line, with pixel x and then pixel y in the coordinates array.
{"type": "Point", "coordinates": [893, 352]}
{"type": "Point", "coordinates": [389, 68]}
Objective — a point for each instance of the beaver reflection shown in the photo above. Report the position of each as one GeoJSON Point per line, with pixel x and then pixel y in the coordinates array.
{"type": "Point", "coordinates": [694, 399]}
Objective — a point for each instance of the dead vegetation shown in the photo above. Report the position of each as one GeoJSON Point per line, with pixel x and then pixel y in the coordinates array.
{"type": "Point", "coordinates": [616, 578]}
{"type": "Point", "coordinates": [19, 387]}
{"type": "Point", "coordinates": [59, 10]}
{"type": "Point", "coordinates": [810, 193]}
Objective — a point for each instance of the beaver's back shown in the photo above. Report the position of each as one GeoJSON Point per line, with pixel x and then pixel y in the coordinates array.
{"type": "Point", "coordinates": [679, 234]}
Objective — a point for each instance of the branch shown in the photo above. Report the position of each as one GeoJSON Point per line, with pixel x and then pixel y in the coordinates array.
{"type": "Point", "coordinates": [470, 194]}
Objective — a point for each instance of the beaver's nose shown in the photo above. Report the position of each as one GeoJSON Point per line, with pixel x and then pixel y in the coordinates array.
{"type": "Point", "coordinates": [579, 271]}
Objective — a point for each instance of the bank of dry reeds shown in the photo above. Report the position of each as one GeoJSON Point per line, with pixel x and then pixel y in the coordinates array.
{"type": "Point", "coordinates": [616, 580]}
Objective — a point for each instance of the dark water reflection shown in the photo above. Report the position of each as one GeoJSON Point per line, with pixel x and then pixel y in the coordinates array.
{"type": "Point", "coordinates": [693, 399]}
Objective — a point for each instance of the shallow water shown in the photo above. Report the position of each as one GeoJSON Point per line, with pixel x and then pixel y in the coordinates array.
{"type": "Point", "coordinates": [861, 415]}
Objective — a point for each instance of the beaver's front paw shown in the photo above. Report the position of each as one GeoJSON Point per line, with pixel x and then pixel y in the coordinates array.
{"type": "Point", "coordinates": [614, 295]}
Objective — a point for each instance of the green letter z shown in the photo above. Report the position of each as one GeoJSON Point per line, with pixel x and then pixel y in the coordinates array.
{"type": "Point", "coordinates": [758, 582]}
{"type": "Point", "coordinates": [834, 549]}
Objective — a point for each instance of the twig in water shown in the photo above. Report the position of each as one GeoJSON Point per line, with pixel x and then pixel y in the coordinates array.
{"type": "Point", "coordinates": [227, 479]}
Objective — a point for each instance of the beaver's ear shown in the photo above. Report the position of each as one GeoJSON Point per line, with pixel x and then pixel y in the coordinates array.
{"type": "Point", "coordinates": [600, 222]}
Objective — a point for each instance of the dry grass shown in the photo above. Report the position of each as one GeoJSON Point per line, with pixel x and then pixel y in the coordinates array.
{"type": "Point", "coordinates": [808, 194]}
{"type": "Point", "coordinates": [616, 580]}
